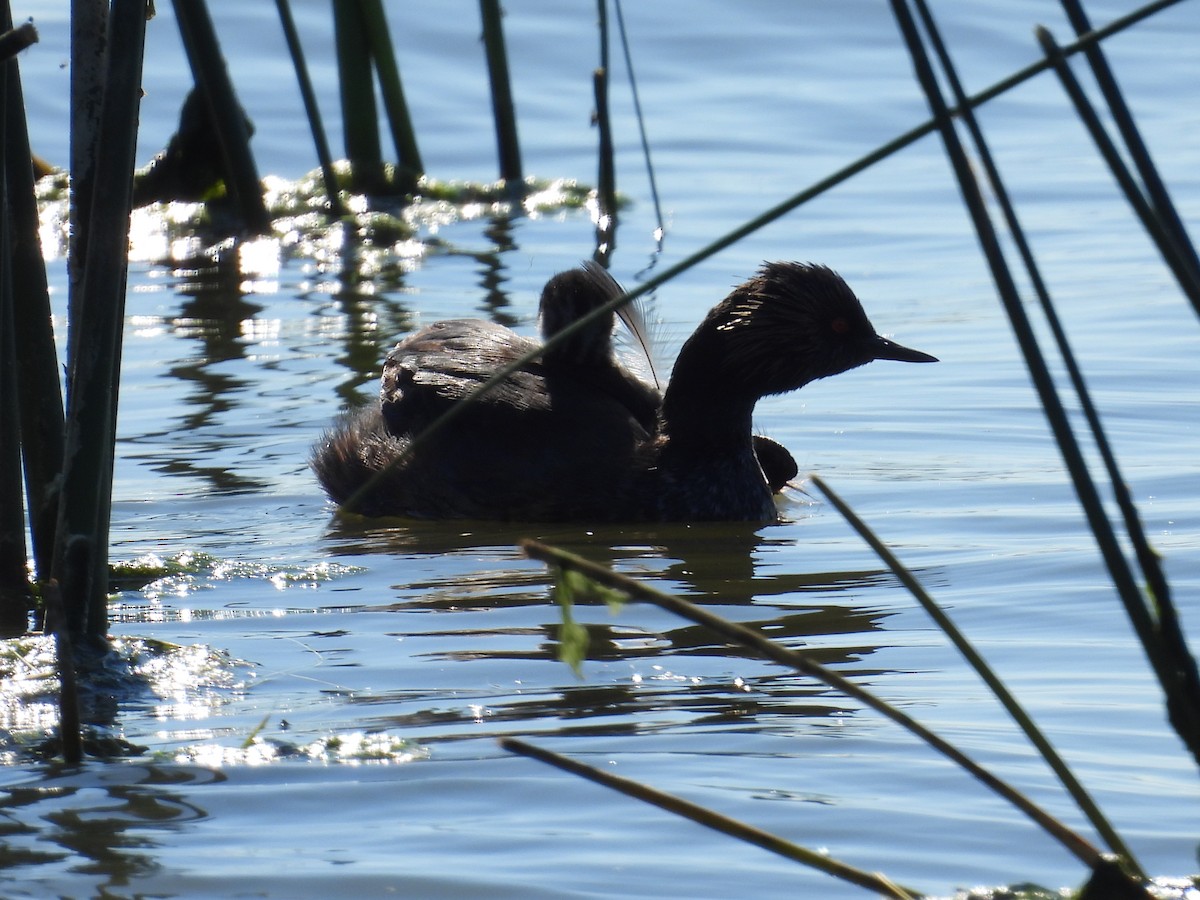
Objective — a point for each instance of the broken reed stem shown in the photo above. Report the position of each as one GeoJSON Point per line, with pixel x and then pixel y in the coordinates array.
{"type": "Point", "coordinates": [747, 637]}
{"type": "Point", "coordinates": [14, 40]}
{"type": "Point", "coordinates": [714, 820]}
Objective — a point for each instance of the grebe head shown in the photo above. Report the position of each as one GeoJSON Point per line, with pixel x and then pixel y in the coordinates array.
{"type": "Point", "coordinates": [790, 324]}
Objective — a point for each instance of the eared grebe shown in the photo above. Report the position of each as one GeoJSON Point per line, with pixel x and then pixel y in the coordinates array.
{"type": "Point", "coordinates": [574, 436]}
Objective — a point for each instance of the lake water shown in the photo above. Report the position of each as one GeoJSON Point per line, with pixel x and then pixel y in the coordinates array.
{"type": "Point", "coordinates": [421, 643]}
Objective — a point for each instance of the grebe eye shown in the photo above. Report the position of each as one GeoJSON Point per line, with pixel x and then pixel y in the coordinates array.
{"type": "Point", "coordinates": [840, 325]}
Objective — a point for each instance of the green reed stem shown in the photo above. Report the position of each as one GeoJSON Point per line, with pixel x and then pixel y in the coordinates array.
{"type": "Point", "coordinates": [225, 113]}
{"type": "Point", "coordinates": [502, 97]}
{"type": "Point", "coordinates": [408, 157]}
{"type": "Point", "coordinates": [360, 120]}
{"type": "Point", "coordinates": [747, 637]}
{"type": "Point", "coordinates": [311, 109]}
{"type": "Point", "coordinates": [81, 557]}
{"type": "Point", "coordinates": [985, 672]}
{"type": "Point", "coordinates": [710, 819]}
{"type": "Point", "coordinates": [1176, 258]}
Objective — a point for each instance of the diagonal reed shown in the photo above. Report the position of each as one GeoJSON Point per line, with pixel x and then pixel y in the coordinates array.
{"type": "Point", "coordinates": [747, 637]}
{"type": "Point", "coordinates": [1159, 633]}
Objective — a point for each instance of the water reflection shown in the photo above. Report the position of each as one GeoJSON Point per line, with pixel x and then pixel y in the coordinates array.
{"type": "Point", "coordinates": [660, 672]}
{"type": "Point", "coordinates": [716, 560]}
{"type": "Point", "coordinates": [99, 820]}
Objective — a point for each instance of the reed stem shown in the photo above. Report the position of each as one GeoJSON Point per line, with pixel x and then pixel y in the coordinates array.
{"type": "Point", "coordinates": [311, 109]}
{"type": "Point", "coordinates": [70, 733]}
{"type": "Point", "coordinates": [81, 558]}
{"type": "Point", "coordinates": [39, 394]}
{"type": "Point", "coordinates": [641, 122]}
{"type": "Point", "coordinates": [224, 112]}
{"type": "Point", "coordinates": [706, 817]}
{"type": "Point", "coordinates": [1156, 190]}
{"type": "Point", "coordinates": [1176, 258]}
{"type": "Point", "coordinates": [408, 157]}
{"type": "Point", "coordinates": [606, 183]}
{"type": "Point", "coordinates": [502, 98]}
{"type": "Point", "coordinates": [1077, 791]}
{"type": "Point", "coordinates": [360, 118]}
{"type": "Point", "coordinates": [1185, 715]}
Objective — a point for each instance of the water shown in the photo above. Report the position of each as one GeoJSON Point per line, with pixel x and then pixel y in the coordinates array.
{"type": "Point", "coordinates": [433, 639]}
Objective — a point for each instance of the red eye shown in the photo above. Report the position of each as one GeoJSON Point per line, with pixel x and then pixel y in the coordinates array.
{"type": "Point", "coordinates": [840, 325]}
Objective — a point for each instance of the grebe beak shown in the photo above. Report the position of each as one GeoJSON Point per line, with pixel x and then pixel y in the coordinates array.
{"type": "Point", "coordinates": [885, 349]}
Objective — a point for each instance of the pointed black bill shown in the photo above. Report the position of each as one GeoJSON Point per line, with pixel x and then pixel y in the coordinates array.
{"type": "Point", "coordinates": [885, 349]}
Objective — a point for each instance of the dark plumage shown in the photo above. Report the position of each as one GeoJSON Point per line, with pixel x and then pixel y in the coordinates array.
{"type": "Point", "coordinates": [575, 437]}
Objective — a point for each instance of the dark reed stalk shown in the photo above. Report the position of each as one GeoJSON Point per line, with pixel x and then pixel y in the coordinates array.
{"type": "Point", "coordinates": [1159, 196]}
{"type": "Point", "coordinates": [747, 637]}
{"type": "Point", "coordinates": [408, 157]}
{"type": "Point", "coordinates": [1151, 570]}
{"type": "Point", "coordinates": [40, 400]}
{"type": "Point", "coordinates": [1174, 648]}
{"type": "Point", "coordinates": [1178, 260]}
{"type": "Point", "coordinates": [89, 25]}
{"type": "Point", "coordinates": [311, 109]}
{"type": "Point", "coordinates": [1185, 715]}
{"type": "Point", "coordinates": [989, 677]}
{"type": "Point", "coordinates": [606, 177]}
{"type": "Point", "coordinates": [15, 595]}
{"type": "Point", "coordinates": [81, 557]}
{"type": "Point", "coordinates": [641, 123]}
{"type": "Point", "coordinates": [70, 731]}
{"type": "Point", "coordinates": [766, 218]}
{"type": "Point", "coordinates": [225, 113]}
{"type": "Point", "coordinates": [502, 98]}
{"type": "Point", "coordinates": [606, 182]}
{"type": "Point", "coordinates": [360, 117]}
{"type": "Point", "coordinates": [710, 819]}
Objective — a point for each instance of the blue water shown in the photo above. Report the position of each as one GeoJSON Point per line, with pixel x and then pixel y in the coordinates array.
{"type": "Point", "coordinates": [437, 638]}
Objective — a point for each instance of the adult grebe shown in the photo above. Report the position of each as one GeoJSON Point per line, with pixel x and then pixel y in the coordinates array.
{"type": "Point", "coordinates": [575, 437]}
